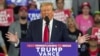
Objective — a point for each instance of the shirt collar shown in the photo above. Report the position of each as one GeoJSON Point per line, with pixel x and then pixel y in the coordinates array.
{"type": "Point", "coordinates": [51, 21]}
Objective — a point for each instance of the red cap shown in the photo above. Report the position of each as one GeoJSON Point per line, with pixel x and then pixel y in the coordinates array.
{"type": "Point", "coordinates": [93, 37]}
{"type": "Point", "coordinates": [23, 8]}
{"type": "Point", "coordinates": [85, 4]}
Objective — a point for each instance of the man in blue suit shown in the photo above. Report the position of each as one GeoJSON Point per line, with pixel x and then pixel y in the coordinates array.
{"type": "Point", "coordinates": [57, 31]}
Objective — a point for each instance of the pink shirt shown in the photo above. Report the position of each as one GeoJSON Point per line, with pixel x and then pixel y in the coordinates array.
{"type": "Point", "coordinates": [84, 24]}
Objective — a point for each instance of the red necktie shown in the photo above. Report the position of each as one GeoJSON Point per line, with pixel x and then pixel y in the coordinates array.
{"type": "Point", "coordinates": [46, 34]}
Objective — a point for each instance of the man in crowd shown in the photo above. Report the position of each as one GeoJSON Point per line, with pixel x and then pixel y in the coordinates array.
{"type": "Point", "coordinates": [93, 49]}
{"type": "Point", "coordinates": [96, 22]}
{"type": "Point", "coordinates": [20, 26]}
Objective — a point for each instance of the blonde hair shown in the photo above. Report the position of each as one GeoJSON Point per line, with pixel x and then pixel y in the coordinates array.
{"type": "Point", "coordinates": [73, 20]}
{"type": "Point", "coordinates": [46, 4]}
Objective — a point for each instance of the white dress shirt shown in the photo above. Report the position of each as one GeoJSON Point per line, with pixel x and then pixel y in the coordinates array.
{"type": "Point", "coordinates": [50, 28]}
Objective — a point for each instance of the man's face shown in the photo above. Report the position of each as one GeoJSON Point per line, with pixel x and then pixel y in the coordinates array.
{"type": "Point", "coordinates": [23, 13]}
{"type": "Point", "coordinates": [93, 43]}
{"type": "Point", "coordinates": [47, 10]}
{"type": "Point", "coordinates": [97, 19]}
{"type": "Point", "coordinates": [60, 4]}
{"type": "Point", "coordinates": [33, 5]}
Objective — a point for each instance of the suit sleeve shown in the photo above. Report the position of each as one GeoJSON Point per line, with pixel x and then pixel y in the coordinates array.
{"type": "Point", "coordinates": [11, 28]}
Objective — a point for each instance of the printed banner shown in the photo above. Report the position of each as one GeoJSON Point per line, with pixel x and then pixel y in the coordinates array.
{"type": "Point", "coordinates": [33, 15]}
{"type": "Point", "coordinates": [49, 49]}
{"type": "Point", "coordinates": [6, 17]}
{"type": "Point", "coordinates": [18, 2]}
{"type": "Point", "coordinates": [62, 15]}
{"type": "Point", "coordinates": [96, 31]}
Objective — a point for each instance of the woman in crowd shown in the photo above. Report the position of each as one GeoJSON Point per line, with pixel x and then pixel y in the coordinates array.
{"type": "Point", "coordinates": [93, 44]}
{"type": "Point", "coordinates": [73, 33]}
{"type": "Point", "coordinates": [72, 29]}
{"type": "Point", "coordinates": [84, 20]}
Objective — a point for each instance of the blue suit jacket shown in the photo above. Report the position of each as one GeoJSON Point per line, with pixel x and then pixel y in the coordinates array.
{"type": "Point", "coordinates": [59, 32]}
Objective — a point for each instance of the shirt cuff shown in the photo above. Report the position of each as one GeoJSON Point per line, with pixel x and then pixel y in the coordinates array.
{"type": "Point", "coordinates": [78, 44]}
{"type": "Point", "coordinates": [16, 44]}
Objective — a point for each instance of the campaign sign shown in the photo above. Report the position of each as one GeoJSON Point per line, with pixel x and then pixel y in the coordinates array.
{"type": "Point", "coordinates": [17, 2]}
{"type": "Point", "coordinates": [49, 49]}
{"type": "Point", "coordinates": [62, 15]}
{"type": "Point", "coordinates": [6, 17]}
{"type": "Point", "coordinates": [33, 14]}
{"type": "Point", "coordinates": [96, 32]}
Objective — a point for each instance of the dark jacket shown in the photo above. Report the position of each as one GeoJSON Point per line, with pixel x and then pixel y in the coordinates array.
{"type": "Point", "coordinates": [59, 32]}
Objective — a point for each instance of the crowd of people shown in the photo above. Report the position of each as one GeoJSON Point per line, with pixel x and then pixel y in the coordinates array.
{"type": "Point", "coordinates": [79, 21]}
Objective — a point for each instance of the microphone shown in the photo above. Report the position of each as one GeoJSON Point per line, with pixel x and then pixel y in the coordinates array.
{"type": "Point", "coordinates": [47, 20]}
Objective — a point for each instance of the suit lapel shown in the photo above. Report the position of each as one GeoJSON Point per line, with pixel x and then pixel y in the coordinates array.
{"type": "Point", "coordinates": [39, 31]}
{"type": "Point", "coordinates": [54, 31]}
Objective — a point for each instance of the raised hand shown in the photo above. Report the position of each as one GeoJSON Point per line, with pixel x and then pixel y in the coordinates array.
{"type": "Point", "coordinates": [82, 39]}
{"type": "Point", "coordinates": [12, 37]}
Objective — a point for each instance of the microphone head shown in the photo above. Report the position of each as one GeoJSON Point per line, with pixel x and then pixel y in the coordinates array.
{"type": "Point", "coordinates": [47, 20]}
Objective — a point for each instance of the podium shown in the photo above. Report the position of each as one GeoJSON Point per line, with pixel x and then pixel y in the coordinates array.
{"type": "Point", "coordinates": [48, 49]}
